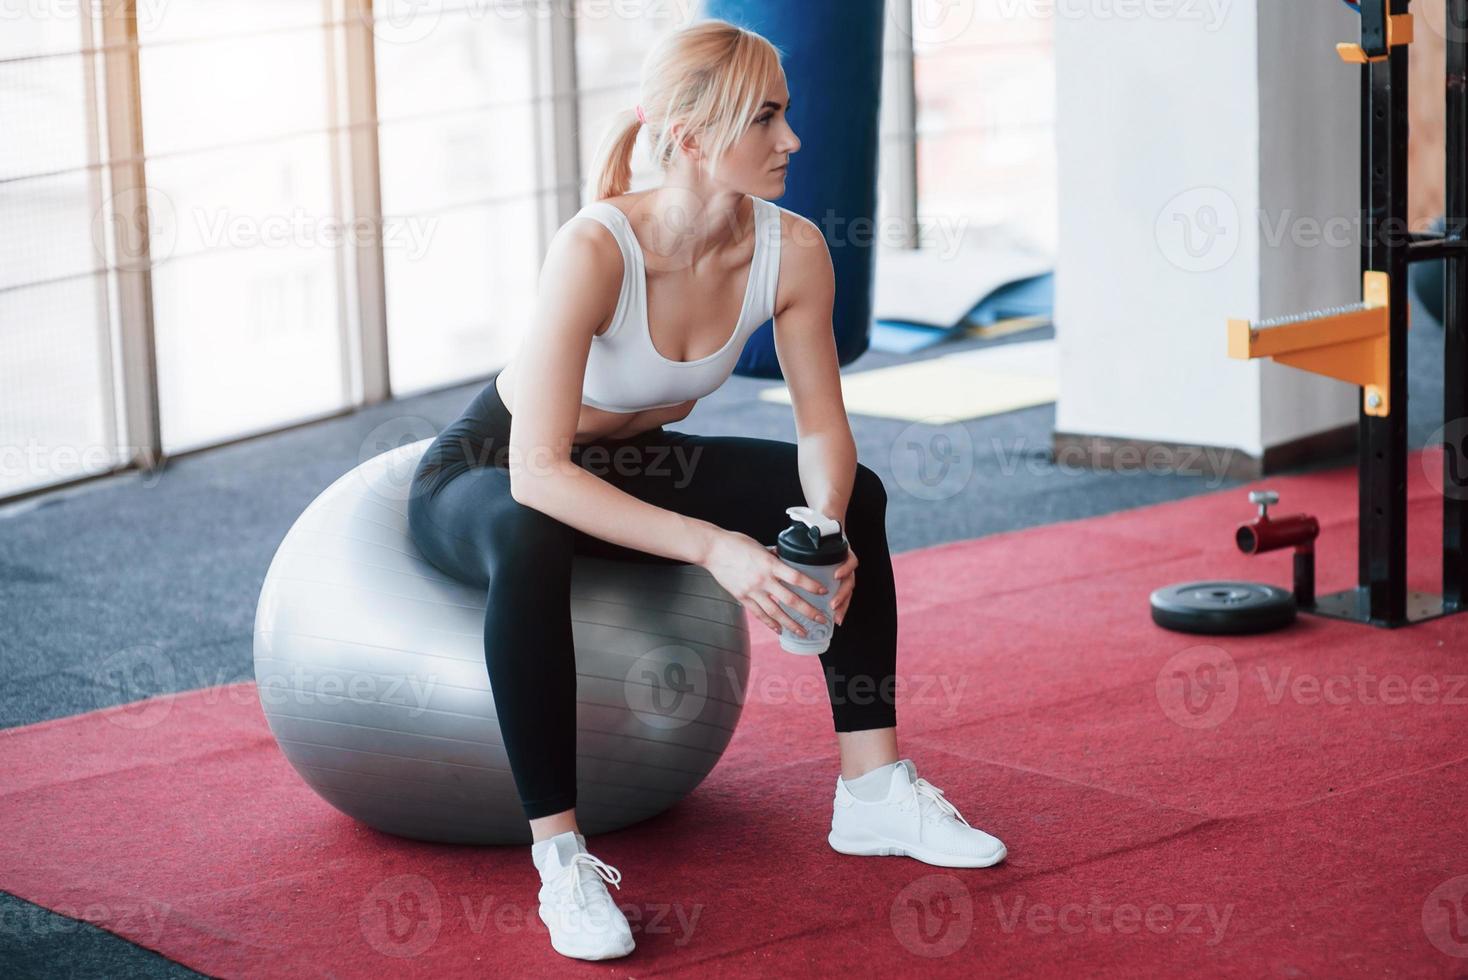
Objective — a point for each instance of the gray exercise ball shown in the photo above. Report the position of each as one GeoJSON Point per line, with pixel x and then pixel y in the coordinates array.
{"type": "Point", "coordinates": [370, 668]}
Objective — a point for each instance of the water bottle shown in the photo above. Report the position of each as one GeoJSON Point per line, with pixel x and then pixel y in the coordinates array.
{"type": "Point", "coordinates": [813, 544]}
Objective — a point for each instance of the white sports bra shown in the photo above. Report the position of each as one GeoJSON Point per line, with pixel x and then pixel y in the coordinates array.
{"type": "Point", "coordinates": [624, 371]}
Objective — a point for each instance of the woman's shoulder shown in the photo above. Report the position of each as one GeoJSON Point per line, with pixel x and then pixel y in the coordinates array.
{"type": "Point", "coordinates": [805, 260]}
{"type": "Point", "coordinates": [624, 203]}
{"type": "Point", "coordinates": [608, 218]}
{"type": "Point", "coordinates": [801, 241]}
{"type": "Point", "coordinates": [589, 247]}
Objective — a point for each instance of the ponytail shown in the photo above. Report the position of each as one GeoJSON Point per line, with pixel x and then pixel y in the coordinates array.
{"type": "Point", "coordinates": [612, 172]}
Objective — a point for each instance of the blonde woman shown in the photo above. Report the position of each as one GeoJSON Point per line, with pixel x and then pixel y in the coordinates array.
{"type": "Point", "coordinates": [636, 301]}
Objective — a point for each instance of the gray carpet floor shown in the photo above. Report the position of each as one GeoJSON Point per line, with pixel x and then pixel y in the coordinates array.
{"type": "Point", "coordinates": [166, 569]}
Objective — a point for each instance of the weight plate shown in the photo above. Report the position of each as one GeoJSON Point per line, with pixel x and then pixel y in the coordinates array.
{"type": "Point", "coordinates": [1218, 608]}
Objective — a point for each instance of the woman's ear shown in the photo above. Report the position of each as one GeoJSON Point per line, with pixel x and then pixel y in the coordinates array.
{"type": "Point", "coordinates": [685, 141]}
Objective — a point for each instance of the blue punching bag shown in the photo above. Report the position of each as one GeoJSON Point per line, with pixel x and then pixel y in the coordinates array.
{"type": "Point", "coordinates": [833, 63]}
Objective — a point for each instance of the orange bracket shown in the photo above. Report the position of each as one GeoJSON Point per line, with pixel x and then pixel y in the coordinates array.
{"type": "Point", "coordinates": [1350, 343]}
{"type": "Point", "coordinates": [1399, 30]}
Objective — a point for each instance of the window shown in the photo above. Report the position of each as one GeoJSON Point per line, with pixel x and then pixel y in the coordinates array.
{"type": "Point", "coordinates": [58, 420]}
{"type": "Point", "coordinates": [457, 136]}
{"type": "Point", "coordinates": [984, 79]}
{"type": "Point", "coordinates": [247, 307]}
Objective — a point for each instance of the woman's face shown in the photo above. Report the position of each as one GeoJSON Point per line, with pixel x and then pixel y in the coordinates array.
{"type": "Point", "coordinates": [757, 162]}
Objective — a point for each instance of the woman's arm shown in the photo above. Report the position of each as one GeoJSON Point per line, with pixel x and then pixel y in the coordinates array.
{"type": "Point", "coordinates": [550, 370]}
{"type": "Point", "coordinates": [579, 285]}
{"type": "Point", "coordinates": [806, 346]}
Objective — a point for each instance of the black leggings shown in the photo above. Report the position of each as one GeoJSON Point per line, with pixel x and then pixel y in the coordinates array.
{"type": "Point", "coordinates": [465, 522]}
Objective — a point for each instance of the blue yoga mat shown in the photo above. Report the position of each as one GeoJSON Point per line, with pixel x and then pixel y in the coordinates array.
{"type": "Point", "coordinates": [1026, 298]}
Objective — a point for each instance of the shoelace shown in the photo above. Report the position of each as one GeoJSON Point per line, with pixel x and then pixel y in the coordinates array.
{"type": "Point", "coordinates": [922, 789]}
{"type": "Point", "coordinates": [603, 870]}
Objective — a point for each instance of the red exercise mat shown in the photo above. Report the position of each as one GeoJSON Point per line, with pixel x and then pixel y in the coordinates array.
{"type": "Point", "coordinates": [1289, 822]}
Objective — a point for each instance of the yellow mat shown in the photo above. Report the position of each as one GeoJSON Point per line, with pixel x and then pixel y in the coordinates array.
{"type": "Point", "coordinates": [1003, 328]}
{"type": "Point", "coordinates": [966, 385]}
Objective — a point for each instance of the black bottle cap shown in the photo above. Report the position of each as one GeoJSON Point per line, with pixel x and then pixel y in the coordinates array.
{"type": "Point", "coordinates": [811, 539]}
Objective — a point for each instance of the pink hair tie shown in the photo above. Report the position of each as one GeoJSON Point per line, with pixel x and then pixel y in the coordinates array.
{"type": "Point", "coordinates": [641, 116]}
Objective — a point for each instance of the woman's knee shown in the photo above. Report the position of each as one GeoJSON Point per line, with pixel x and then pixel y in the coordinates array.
{"type": "Point", "coordinates": [868, 496]}
{"type": "Point", "coordinates": [526, 541]}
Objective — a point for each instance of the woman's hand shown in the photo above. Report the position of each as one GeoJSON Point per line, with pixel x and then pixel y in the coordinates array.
{"type": "Point", "coordinates": [755, 576]}
{"type": "Point", "coordinates": [846, 582]}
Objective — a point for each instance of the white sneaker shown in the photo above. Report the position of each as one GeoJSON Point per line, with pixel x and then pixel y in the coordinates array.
{"type": "Point", "coordinates": [575, 905]}
{"type": "Point", "coordinates": [914, 820]}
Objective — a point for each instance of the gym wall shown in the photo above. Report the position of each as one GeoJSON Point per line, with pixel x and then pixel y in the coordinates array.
{"type": "Point", "coordinates": [1200, 156]}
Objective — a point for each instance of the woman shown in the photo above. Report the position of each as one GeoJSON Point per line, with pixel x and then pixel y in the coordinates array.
{"type": "Point", "coordinates": [635, 301]}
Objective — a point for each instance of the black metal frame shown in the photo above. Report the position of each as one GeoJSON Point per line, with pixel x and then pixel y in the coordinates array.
{"type": "Point", "coordinates": [1455, 317]}
{"type": "Point", "coordinates": [1381, 597]}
